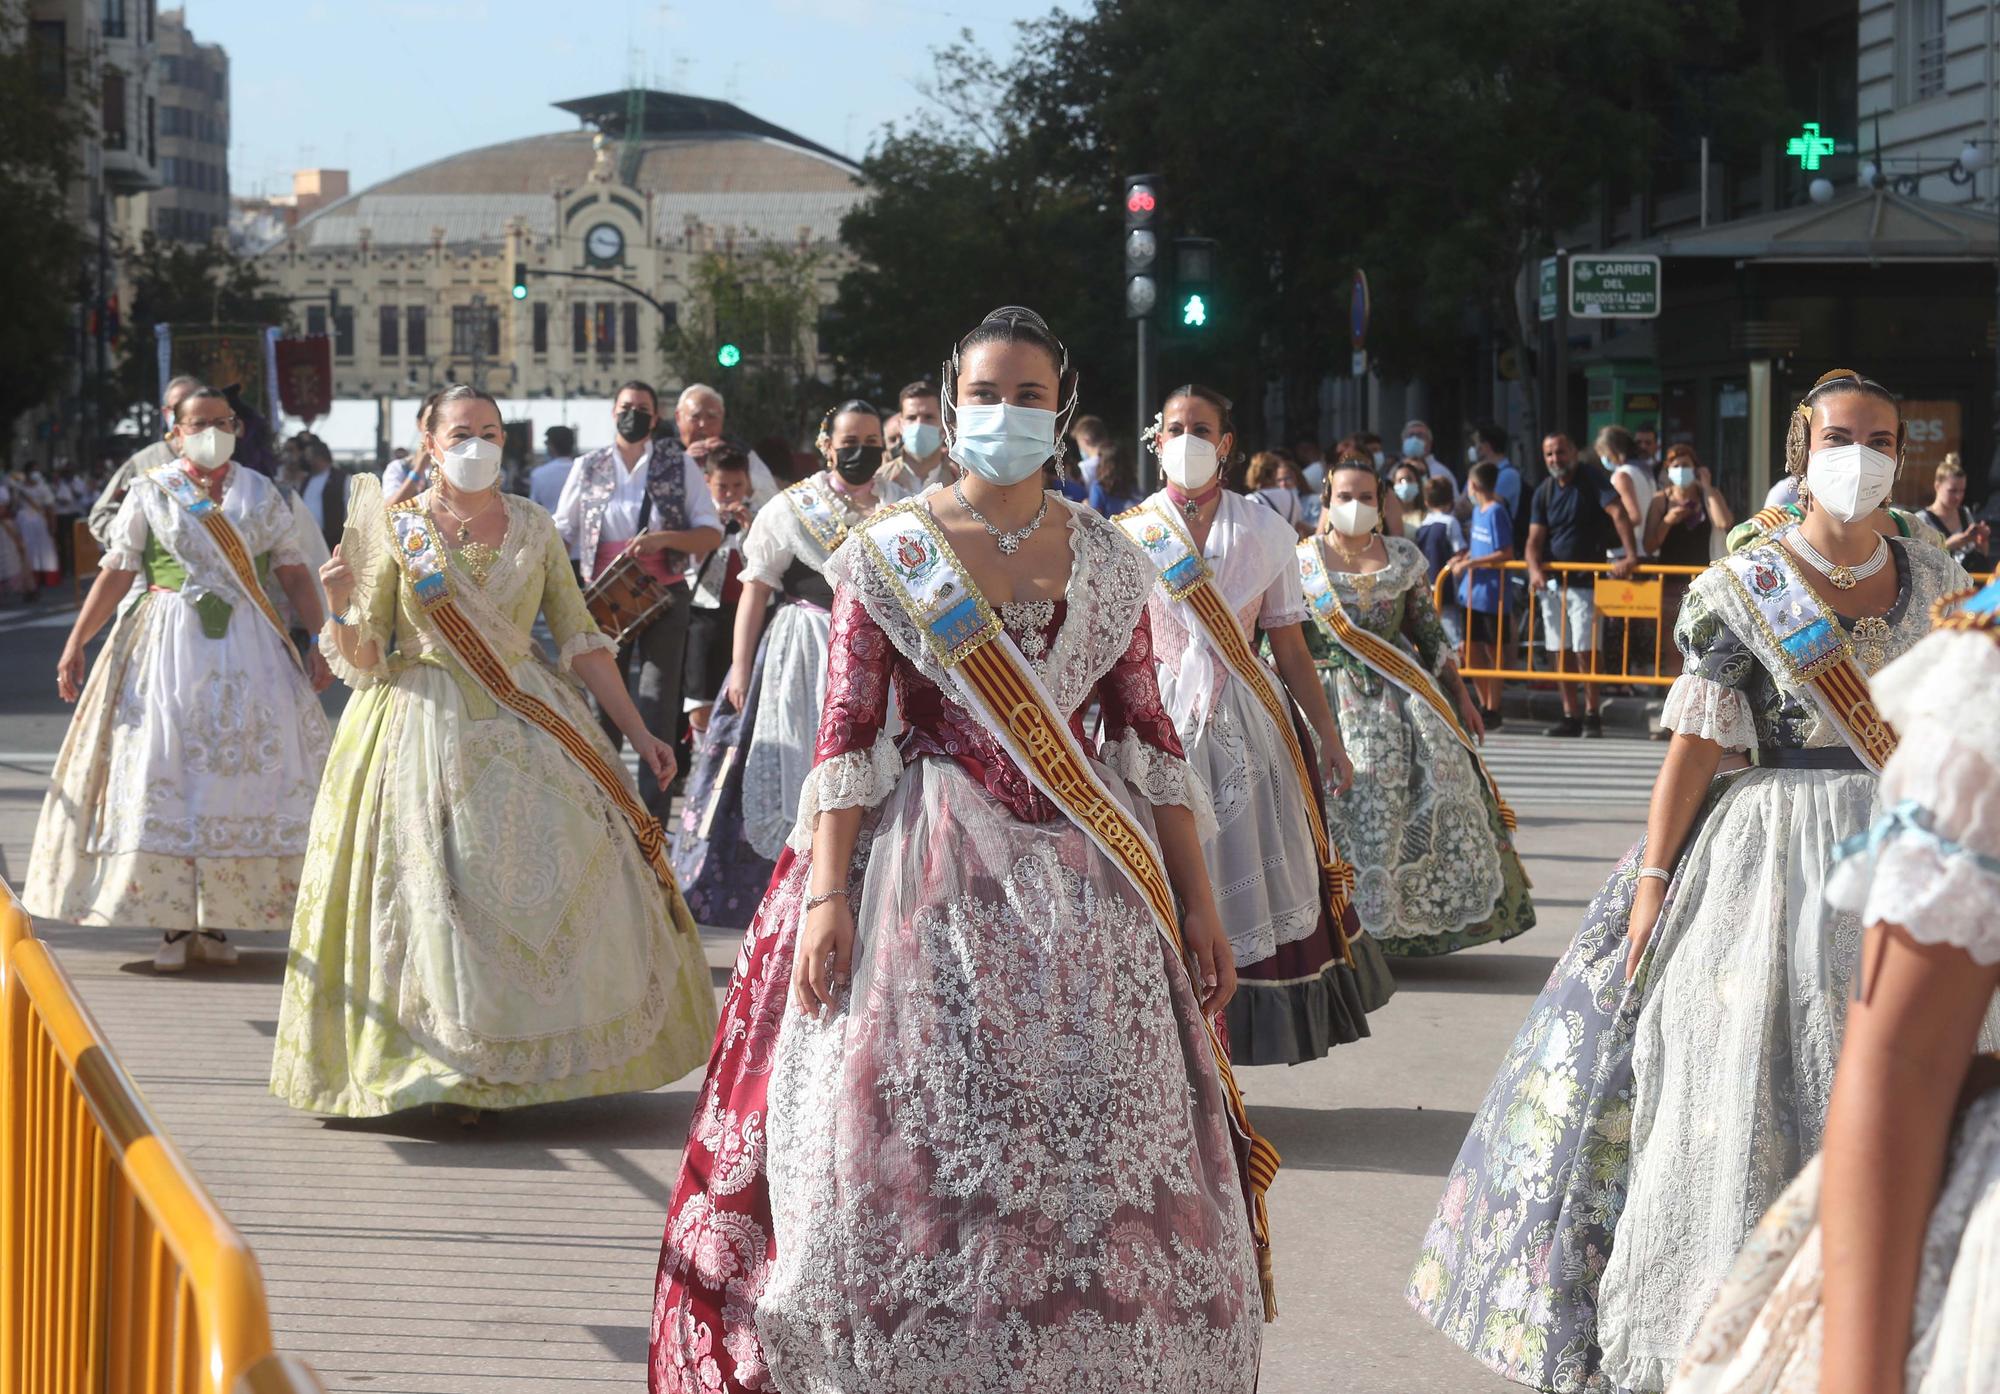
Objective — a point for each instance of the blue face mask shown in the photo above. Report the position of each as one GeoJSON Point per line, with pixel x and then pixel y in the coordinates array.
{"type": "Point", "coordinates": [921, 440]}
{"type": "Point", "coordinates": [1415, 447]}
{"type": "Point", "coordinates": [1003, 443]}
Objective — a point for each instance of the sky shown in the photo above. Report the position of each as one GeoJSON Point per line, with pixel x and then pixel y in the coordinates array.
{"type": "Point", "coordinates": [380, 86]}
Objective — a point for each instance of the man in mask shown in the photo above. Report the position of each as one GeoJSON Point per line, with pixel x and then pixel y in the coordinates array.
{"type": "Point", "coordinates": [644, 496]}
{"type": "Point", "coordinates": [1576, 517]}
{"type": "Point", "coordinates": [160, 452]}
{"type": "Point", "coordinates": [1648, 438]}
{"type": "Point", "coordinates": [1417, 443]}
{"type": "Point", "coordinates": [699, 415]}
{"type": "Point", "coordinates": [922, 463]}
{"type": "Point", "coordinates": [1312, 469]}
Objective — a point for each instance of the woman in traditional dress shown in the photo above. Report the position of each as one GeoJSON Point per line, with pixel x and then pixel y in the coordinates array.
{"type": "Point", "coordinates": [743, 793]}
{"type": "Point", "coordinates": [1307, 975]}
{"type": "Point", "coordinates": [486, 918]}
{"type": "Point", "coordinates": [966, 1125]}
{"type": "Point", "coordinates": [1673, 1076]}
{"type": "Point", "coordinates": [17, 580]}
{"type": "Point", "coordinates": [184, 789]}
{"type": "Point", "coordinates": [35, 515]}
{"type": "Point", "coordinates": [1871, 1275]}
{"type": "Point", "coordinates": [1431, 843]}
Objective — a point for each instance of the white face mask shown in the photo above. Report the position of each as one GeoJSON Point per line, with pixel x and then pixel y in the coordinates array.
{"type": "Point", "coordinates": [1353, 518]}
{"type": "Point", "coordinates": [1849, 481]}
{"type": "Point", "coordinates": [921, 439]}
{"type": "Point", "coordinates": [1406, 490]}
{"type": "Point", "coordinates": [1681, 476]}
{"type": "Point", "coordinates": [1002, 443]}
{"type": "Point", "coordinates": [471, 465]}
{"type": "Point", "coordinates": [1381, 458]}
{"type": "Point", "coordinates": [208, 449]}
{"type": "Point", "coordinates": [1189, 462]}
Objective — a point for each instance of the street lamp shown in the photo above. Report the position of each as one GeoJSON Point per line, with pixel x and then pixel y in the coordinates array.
{"type": "Point", "coordinates": [1821, 190]}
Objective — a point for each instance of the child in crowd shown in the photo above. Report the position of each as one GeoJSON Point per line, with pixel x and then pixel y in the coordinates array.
{"type": "Point", "coordinates": [1480, 581]}
{"type": "Point", "coordinates": [1441, 539]}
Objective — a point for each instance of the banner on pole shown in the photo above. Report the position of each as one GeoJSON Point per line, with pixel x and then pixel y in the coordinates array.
{"type": "Point", "coordinates": [305, 376]}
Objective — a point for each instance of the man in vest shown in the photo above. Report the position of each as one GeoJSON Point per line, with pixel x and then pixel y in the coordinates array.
{"type": "Point", "coordinates": [646, 497]}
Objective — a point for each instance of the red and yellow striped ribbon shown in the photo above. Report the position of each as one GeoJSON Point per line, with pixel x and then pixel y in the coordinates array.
{"type": "Point", "coordinates": [1036, 737]}
{"type": "Point", "coordinates": [1378, 653]}
{"type": "Point", "coordinates": [1846, 691]}
{"type": "Point", "coordinates": [238, 556]}
{"type": "Point", "coordinates": [1227, 635]}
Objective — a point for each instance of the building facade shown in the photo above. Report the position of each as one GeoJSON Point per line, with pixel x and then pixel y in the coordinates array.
{"type": "Point", "coordinates": [413, 278]}
{"type": "Point", "coordinates": [191, 93]}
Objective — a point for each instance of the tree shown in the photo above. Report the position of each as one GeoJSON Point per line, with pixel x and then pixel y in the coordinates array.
{"type": "Point", "coordinates": [764, 302]}
{"type": "Point", "coordinates": [184, 284]}
{"type": "Point", "coordinates": [962, 219]}
{"type": "Point", "coordinates": [44, 119]}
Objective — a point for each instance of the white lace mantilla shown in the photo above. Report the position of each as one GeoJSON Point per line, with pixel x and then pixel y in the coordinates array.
{"type": "Point", "coordinates": [1109, 580]}
{"type": "Point", "coordinates": [1698, 706]}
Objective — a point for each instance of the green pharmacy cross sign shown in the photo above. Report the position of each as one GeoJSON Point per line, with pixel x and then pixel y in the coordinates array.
{"type": "Point", "coordinates": [1809, 146]}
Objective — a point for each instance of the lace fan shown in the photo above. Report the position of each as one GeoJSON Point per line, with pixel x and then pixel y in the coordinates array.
{"type": "Point", "coordinates": [364, 541]}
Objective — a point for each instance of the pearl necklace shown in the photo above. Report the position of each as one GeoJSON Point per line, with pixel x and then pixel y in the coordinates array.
{"type": "Point", "coordinates": [1009, 542]}
{"type": "Point", "coordinates": [1844, 578]}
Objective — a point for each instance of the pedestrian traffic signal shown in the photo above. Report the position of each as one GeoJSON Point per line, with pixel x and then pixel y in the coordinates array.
{"type": "Point", "coordinates": [520, 280]}
{"type": "Point", "coordinates": [1142, 245]}
{"type": "Point", "coordinates": [1194, 274]}
{"type": "Point", "coordinates": [729, 355]}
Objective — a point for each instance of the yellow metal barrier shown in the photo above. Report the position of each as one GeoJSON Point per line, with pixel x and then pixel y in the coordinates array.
{"type": "Point", "coordinates": [1652, 594]}
{"type": "Point", "coordinates": [117, 1272]}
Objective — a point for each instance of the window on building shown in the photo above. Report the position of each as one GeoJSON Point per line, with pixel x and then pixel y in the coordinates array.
{"type": "Point", "coordinates": [541, 327]}
{"type": "Point", "coordinates": [1922, 48]}
{"type": "Point", "coordinates": [113, 115]}
{"type": "Point", "coordinates": [475, 329]}
{"type": "Point", "coordinates": [343, 332]}
{"type": "Point", "coordinates": [114, 19]}
{"type": "Point", "coordinates": [629, 325]}
{"type": "Point", "coordinates": [152, 18]}
{"type": "Point", "coordinates": [391, 326]}
{"type": "Point", "coordinates": [414, 342]}
{"type": "Point", "coordinates": [50, 38]}
{"type": "Point", "coordinates": [607, 327]}
{"type": "Point", "coordinates": [672, 315]}
{"type": "Point", "coordinates": [152, 130]}
{"type": "Point", "coordinates": [579, 327]}
{"type": "Point", "coordinates": [316, 319]}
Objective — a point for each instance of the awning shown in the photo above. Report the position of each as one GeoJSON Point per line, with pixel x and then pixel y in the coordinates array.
{"type": "Point", "coordinates": [1860, 225]}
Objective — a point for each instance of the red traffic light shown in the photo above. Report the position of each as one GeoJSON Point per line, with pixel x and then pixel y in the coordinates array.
{"type": "Point", "coordinates": [1139, 200]}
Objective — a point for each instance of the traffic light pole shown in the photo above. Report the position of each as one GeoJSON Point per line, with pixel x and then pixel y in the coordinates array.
{"type": "Point", "coordinates": [1146, 461]}
{"type": "Point", "coordinates": [665, 314]}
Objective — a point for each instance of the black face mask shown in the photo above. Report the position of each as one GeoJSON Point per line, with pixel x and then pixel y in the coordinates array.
{"type": "Point", "coordinates": [634, 425]}
{"type": "Point", "coordinates": [856, 464]}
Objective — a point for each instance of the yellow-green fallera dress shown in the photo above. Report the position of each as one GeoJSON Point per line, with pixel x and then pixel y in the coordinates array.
{"type": "Point", "coordinates": [476, 924]}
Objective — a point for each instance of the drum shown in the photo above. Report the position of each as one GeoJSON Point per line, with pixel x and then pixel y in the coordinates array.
{"type": "Point", "coordinates": [625, 599]}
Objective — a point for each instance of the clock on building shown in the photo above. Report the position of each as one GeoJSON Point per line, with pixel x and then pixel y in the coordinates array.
{"type": "Point", "coordinates": [604, 244]}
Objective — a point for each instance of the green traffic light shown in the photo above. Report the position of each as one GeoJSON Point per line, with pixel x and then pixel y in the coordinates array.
{"type": "Point", "coordinates": [729, 355]}
{"type": "Point", "coordinates": [520, 291]}
{"type": "Point", "coordinates": [1194, 313]}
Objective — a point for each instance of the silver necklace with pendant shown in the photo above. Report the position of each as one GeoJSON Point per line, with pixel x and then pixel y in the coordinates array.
{"type": "Point", "coordinates": [1008, 542]}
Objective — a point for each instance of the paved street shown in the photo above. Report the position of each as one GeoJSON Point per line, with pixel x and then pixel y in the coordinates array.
{"type": "Point", "coordinates": [411, 1255]}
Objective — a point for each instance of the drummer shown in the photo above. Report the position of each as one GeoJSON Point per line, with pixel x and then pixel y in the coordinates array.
{"type": "Point", "coordinates": [645, 497]}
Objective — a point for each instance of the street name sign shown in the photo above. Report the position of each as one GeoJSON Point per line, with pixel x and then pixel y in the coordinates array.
{"type": "Point", "coordinates": [1608, 286]}
{"type": "Point", "coordinates": [1550, 288]}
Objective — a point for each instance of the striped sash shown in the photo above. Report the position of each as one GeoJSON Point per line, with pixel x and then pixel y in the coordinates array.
{"type": "Point", "coordinates": [417, 553]}
{"type": "Point", "coordinates": [992, 678]}
{"type": "Point", "coordinates": [1387, 661]}
{"type": "Point", "coordinates": [816, 513]}
{"type": "Point", "coordinates": [176, 485]}
{"type": "Point", "coordinates": [1187, 579]}
{"type": "Point", "coordinates": [1810, 650]}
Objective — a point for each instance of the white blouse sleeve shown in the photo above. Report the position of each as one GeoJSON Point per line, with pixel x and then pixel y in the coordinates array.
{"type": "Point", "coordinates": [1284, 599]}
{"type": "Point", "coordinates": [767, 549]}
{"type": "Point", "coordinates": [127, 536]}
{"type": "Point", "coordinates": [1931, 863]}
{"type": "Point", "coordinates": [1698, 706]}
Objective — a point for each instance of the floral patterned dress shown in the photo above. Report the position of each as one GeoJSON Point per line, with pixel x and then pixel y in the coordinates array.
{"type": "Point", "coordinates": [1635, 1132]}
{"type": "Point", "coordinates": [476, 923]}
{"type": "Point", "coordinates": [1002, 1160]}
{"type": "Point", "coordinates": [185, 785]}
{"type": "Point", "coordinates": [1932, 866]}
{"type": "Point", "coordinates": [1435, 868]}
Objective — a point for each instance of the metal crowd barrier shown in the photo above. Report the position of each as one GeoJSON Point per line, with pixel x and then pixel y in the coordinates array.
{"type": "Point", "coordinates": [117, 1271]}
{"type": "Point", "coordinates": [1634, 643]}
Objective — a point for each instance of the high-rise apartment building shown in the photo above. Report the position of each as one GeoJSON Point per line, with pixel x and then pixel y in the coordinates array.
{"type": "Point", "coordinates": [192, 84]}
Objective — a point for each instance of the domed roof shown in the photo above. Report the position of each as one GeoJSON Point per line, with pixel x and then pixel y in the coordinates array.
{"type": "Point", "coordinates": [698, 158]}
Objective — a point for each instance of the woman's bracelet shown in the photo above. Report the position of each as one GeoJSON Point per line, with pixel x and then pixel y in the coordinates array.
{"type": "Point", "coordinates": [340, 618]}
{"type": "Point", "coordinates": [1654, 873]}
{"type": "Point", "coordinates": [813, 902]}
